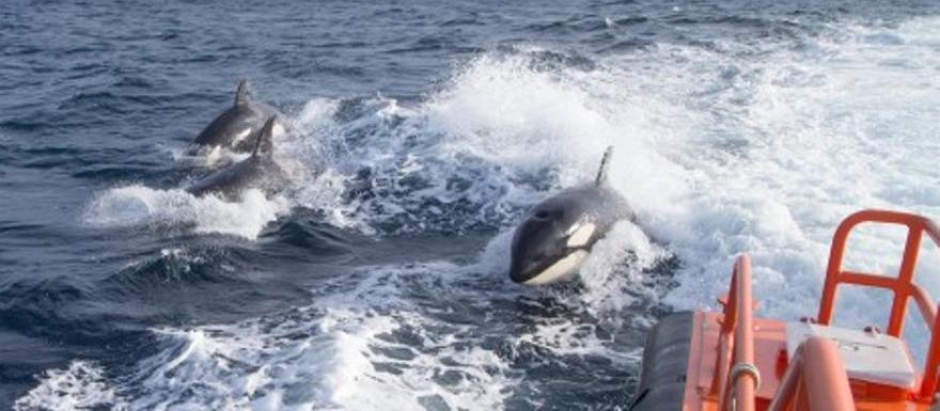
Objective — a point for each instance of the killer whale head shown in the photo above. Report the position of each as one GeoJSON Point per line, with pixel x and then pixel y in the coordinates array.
{"type": "Point", "coordinates": [551, 242]}
{"type": "Point", "coordinates": [557, 235]}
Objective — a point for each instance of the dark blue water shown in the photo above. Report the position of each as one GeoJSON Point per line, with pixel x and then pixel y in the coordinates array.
{"type": "Point", "coordinates": [382, 284]}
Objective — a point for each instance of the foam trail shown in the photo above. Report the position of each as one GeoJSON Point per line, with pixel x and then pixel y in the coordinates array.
{"type": "Point", "coordinates": [812, 144]}
{"type": "Point", "coordinates": [464, 159]}
{"type": "Point", "coordinates": [340, 353]}
{"type": "Point", "coordinates": [138, 205]}
{"type": "Point", "coordinates": [387, 336]}
{"type": "Point", "coordinates": [719, 152]}
{"type": "Point", "coordinates": [81, 386]}
{"type": "Point", "coordinates": [739, 147]}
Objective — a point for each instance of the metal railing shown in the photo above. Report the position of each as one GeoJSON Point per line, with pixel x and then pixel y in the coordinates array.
{"type": "Point", "coordinates": [738, 383]}
{"type": "Point", "coordinates": [902, 286]}
{"type": "Point", "coordinates": [815, 380]}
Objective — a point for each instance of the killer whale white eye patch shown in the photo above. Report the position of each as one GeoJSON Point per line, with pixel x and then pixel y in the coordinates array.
{"type": "Point", "coordinates": [579, 235]}
{"type": "Point", "coordinates": [241, 136]}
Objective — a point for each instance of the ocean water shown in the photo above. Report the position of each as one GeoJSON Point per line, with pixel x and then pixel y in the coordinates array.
{"type": "Point", "coordinates": [381, 283]}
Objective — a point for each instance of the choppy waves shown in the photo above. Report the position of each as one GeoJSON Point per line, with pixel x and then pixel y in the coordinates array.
{"type": "Point", "coordinates": [726, 146]}
{"type": "Point", "coordinates": [407, 335]}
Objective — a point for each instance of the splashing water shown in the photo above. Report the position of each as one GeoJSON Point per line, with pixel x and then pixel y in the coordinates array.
{"type": "Point", "coordinates": [724, 144]}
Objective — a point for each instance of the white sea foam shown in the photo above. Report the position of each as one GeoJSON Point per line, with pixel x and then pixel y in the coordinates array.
{"type": "Point", "coordinates": [343, 352]}
{"type": "Point", "coordinates": [138, 205]}
{"type": "Point", "coordinates": [81, 386]}
{"type": "Point", "coordinates": [405, 337]}
{"type": "Point", "coordinates": [616, 274]}
{"type": "Point", "coordinates": [720, 153]}
{"type": "Point", "coordinates": [823, 132]}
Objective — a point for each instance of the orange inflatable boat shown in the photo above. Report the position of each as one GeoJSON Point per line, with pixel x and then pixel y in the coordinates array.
{"type": "Point", "coordinates": [733, 361]}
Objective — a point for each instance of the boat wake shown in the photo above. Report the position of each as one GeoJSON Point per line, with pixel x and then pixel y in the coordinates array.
{"type": "Point", "coordinates": [723, 146]}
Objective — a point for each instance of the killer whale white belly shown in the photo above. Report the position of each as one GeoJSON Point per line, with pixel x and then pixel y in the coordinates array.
{"type": "Point", "coordinates": [562, 269]}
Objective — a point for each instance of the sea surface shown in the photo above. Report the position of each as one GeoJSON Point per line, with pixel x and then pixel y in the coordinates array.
{"type": "Point", "coordinates": [422, 132]}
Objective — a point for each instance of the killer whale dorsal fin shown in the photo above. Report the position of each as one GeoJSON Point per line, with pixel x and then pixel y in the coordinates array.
{"type": "Point", "coordinates": [605, 164]}
{"type": "Point", "coordinates": [241, 92]}
{"type": "Point", "coordinates": [265, 143]}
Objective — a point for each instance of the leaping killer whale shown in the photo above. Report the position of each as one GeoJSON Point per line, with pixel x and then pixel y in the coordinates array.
{"type": "Point", "coordinates": [232, 128]}
{"type": "Point", "coordinates": [557, 235]}
{"type": "Point", "coordinates": [257, 171]}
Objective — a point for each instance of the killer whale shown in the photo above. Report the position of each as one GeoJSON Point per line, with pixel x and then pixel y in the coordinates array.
{"type": "Point", "coordinates": [257, 171]}
{"type": "Point", "coordinates": [557, 235]}
{"type": "Point", "coordinates": [234, 127]}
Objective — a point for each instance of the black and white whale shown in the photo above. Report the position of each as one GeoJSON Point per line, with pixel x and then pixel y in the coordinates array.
{"type": "Point", "coordinates": [557, 235]}
{"type": "Point", "coordinates": [258, 171]}
{"type": "Point", "coordinates": [233, 128]}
